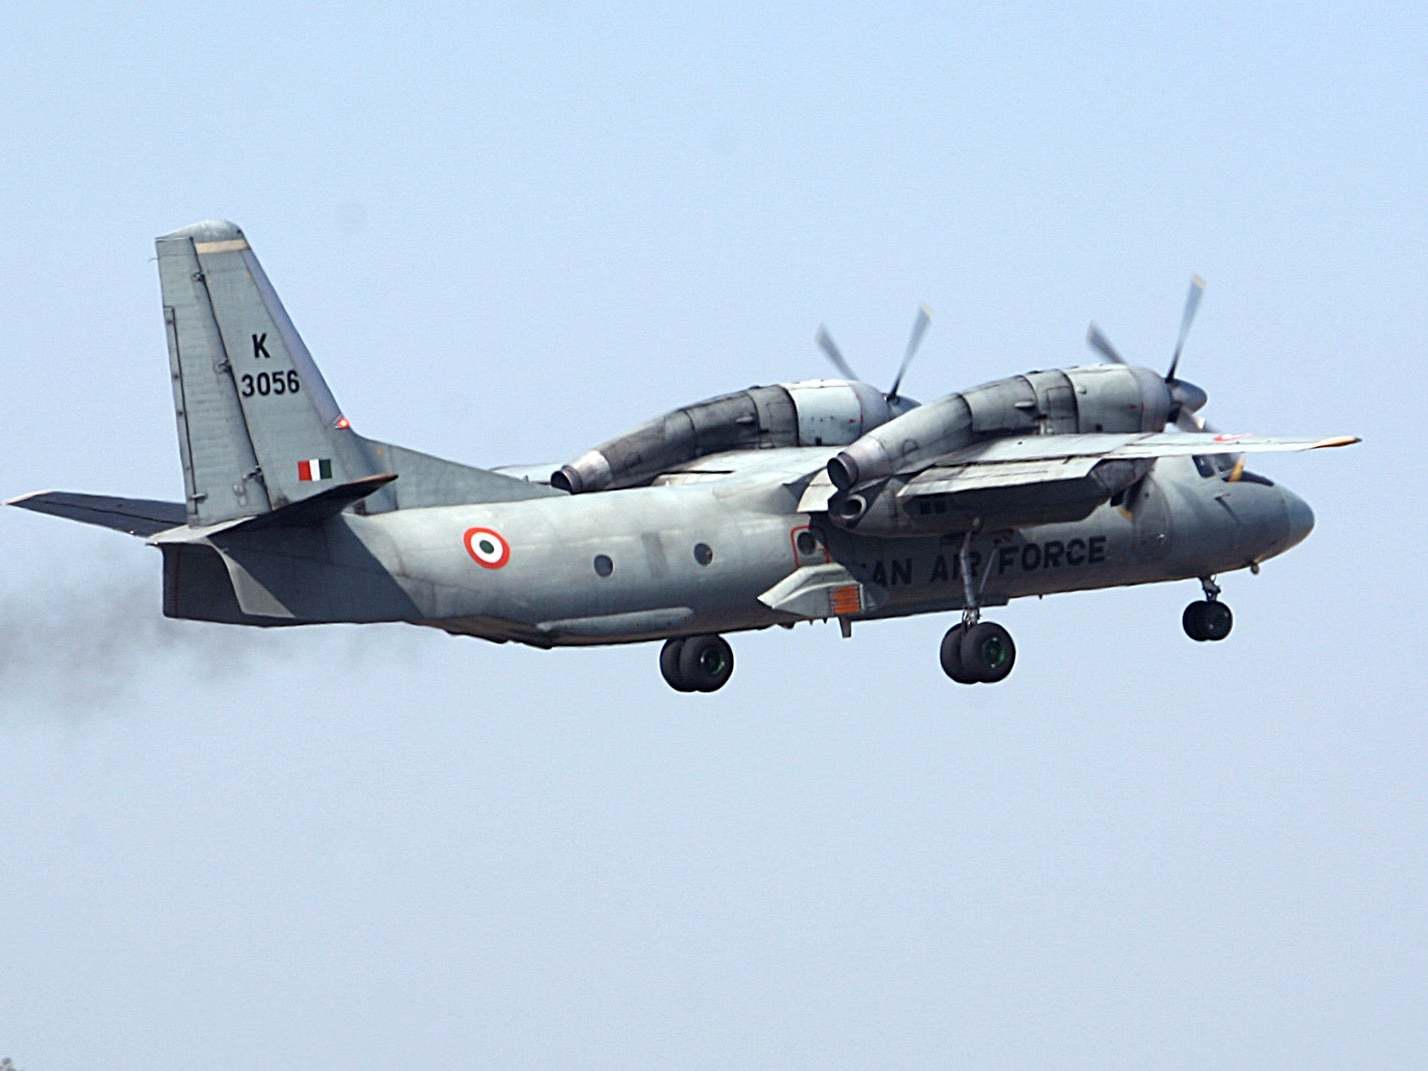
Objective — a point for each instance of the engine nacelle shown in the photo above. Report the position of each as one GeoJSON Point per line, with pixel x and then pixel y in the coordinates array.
{"type": "Point", "coordinates": [877, 509]}
{"type": "Point", "coordinates": [1096, 398]}
{"type": "Point", "coordinates": [819, 412]}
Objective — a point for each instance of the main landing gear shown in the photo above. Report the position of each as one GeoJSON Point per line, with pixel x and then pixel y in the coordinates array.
{"type": "Point", "coordinates": [696, 663]}
{"type": "Point", "coordinates": [978, 653]}
{"type": "Point", "coordinates": [1209, 620]}
{"type": "Point", "coordinates": [975, 651]}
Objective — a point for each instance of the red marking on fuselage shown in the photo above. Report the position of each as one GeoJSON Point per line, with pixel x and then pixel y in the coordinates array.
{"type": "Point", "coordinates": [492, 536]}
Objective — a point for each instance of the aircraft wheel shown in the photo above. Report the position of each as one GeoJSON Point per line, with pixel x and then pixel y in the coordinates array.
{"type": "Point", "coordinates": [1190, 621]}
{"type": "Point", "coordinates": [1207, 621]}
{"type": "Point", "coordinates": [706, 663]}
{"type": "Point", "coordinates": [988, 652]}
{"type": "Point", "coordinates": [669, 665]}
{"type": "Point", "coordinates": [952, 656]}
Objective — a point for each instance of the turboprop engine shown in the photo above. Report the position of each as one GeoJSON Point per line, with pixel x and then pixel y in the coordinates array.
{"type": "Point", "coordinates": [816, 412]}
{"type": "Point", "coordinates": [1062, 401]}
{"type": "Point", "coordinates": [813, 412]}
{"type": "Point", "coordinates": [1098, 398]}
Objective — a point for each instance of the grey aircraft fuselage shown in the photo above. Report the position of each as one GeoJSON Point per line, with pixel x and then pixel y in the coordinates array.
{"type": "Point", "coordinates": [652, 562]}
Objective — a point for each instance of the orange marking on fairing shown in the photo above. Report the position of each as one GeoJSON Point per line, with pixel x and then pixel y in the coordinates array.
{"type": "Point", "coordinates": [846, 600]}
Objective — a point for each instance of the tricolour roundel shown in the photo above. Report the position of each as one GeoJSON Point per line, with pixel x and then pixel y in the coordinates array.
{"type": "Point", "coordinates": [488, 548]}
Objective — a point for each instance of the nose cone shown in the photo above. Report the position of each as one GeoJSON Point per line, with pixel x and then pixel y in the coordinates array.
{"type": "Point", "coordinates": [1301, 518]}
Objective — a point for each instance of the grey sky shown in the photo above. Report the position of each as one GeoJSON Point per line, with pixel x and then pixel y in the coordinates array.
{"type": "Point", "coordinates": [506, 237]}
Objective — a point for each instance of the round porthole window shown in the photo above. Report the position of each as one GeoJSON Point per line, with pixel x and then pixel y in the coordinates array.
{"type": "Point", "coordinates": [703, 553]}
{"type": "Point", "coordinates": [807, 543]}
{"type": "Point", "coordinates": [603, 565]}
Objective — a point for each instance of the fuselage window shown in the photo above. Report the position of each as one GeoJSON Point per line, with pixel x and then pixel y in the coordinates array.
{"type": "Point", "coordinates": [603, 565]}
{"type": "Point", "coordinates": [703, 553]}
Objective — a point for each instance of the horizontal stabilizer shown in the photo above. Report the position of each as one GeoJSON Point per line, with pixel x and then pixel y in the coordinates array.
{"type": "Point", "coordinates": [136, 516]}
{"type": "Point", "coordinates": [319, 507]}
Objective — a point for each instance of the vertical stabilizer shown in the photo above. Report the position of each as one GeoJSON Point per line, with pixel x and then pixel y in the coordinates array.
{"type": "Point", "coordinates": [258, 427]}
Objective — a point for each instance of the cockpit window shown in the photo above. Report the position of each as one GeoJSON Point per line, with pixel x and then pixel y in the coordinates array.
{"type": "Point", "coordinates": [1223, 466]}
{"type": "Point", "coordinates": [1214, 464]}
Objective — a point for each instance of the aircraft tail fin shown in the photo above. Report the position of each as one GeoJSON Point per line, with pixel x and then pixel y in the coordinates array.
{"type": "Point", "coordinates": [258, 427]}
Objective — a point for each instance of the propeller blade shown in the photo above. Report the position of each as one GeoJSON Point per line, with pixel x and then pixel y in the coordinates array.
{"type": "Point", "coordinates": [919, 328]}
{"type": "Point", "coordinates": [825, 343]}
{"type": "Point", "coordinates": [1189, 420]}
{"type": "Point", "coordinates": [1102, 345]}
{"type": "Point", "coordinates": [1192, 302]}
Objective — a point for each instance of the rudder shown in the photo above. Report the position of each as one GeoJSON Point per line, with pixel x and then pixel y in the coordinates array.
{"type": "Point", "coordinates": [257, 424]}
{"type": "Point", "coordinates": [258, 427]}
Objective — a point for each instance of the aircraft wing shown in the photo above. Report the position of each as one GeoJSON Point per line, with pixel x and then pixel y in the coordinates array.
{"type": "Point", "coordinates": [1022, 463]}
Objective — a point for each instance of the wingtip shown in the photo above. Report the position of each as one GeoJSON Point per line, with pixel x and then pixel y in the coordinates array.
{"type": "Point", "coordinates": [20, 500]}
{"type": "Point", "coordinates": [1337, 440]}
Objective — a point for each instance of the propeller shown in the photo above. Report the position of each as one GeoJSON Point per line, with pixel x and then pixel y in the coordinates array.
{"type": "Point", "coordinates": [919, 328]}
{"type": "Point", "coordinates": [1192, 302]}
{"type": "Point", "coordinates": [835, 355]}
{"type": "Point", "coordinates": [1102, 345]}
{"type": "Point", "coordinates": [831, 351]}
{"type": "Point", "coordinates": [1187, 398]}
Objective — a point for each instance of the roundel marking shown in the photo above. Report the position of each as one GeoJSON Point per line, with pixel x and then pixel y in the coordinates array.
{"type": "Point", "coordinates": [488, 548]}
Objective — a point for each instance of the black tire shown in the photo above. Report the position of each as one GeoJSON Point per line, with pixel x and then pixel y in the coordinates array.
{"type": "Point", "coordinates": [1207, 622]}
{"type": "Point", "coordinates": [1193, 621]}
{"type": "Point", "coordinates": [988, 652]}
{"type": "Point", "coordinates": [1216, 621]}
{"type": "Point", "coordinates": [669, 665]}
{"type": "Point", "coordinates": [952, 656]}
{"type": "Point", "coordinates": [706, 663]}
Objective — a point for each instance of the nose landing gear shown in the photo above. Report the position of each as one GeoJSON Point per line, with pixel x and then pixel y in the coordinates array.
{"type": "Point", "coordinates": [696, 663]}
{"type": "Point", "coordinates": [1209, 620]}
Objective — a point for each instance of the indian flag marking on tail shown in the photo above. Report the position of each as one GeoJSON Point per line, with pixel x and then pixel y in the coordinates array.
{"type": "Point", "coordinates": [317, 468]}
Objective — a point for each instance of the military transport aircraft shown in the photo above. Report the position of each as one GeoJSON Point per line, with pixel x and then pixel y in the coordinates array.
{"type": "Point", "coordinates": [769, 506]}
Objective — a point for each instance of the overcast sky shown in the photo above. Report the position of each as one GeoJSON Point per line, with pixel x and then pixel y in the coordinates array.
{"type": "Point", "coordinates": [506, 237]}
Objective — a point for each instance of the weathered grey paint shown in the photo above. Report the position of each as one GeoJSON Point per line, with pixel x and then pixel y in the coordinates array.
{"type": "Point", "coordinates": [817, 412]}
{"type": "Point", "coordinates": [251, 403]}
{"type": "Point", "coordinates": [740, 529]}
{"type": "Point", "coordinates": [1098, 398]}
{"type": "Point", "coordinates": [412, 565]}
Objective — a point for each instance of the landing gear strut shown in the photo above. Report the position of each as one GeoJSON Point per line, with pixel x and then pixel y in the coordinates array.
{"type": "Point", "coordinates": [1209, 620]}
{"type": "Point", "coordinates": [975, 651]}
{"type": "Point", "coordinates": [696, 663]}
